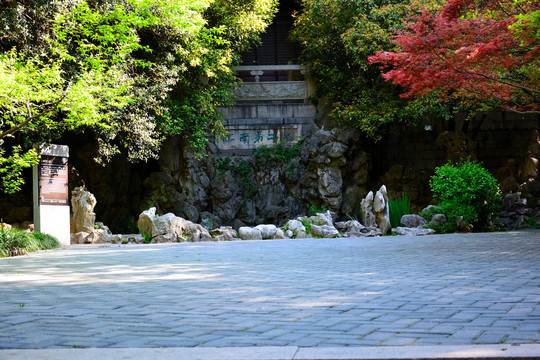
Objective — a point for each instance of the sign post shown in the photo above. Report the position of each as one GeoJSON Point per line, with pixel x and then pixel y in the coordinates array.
{"type": "Point", "coordinates": [51, 196]}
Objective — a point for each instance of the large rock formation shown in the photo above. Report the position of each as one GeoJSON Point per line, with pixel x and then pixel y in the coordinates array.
{"type": "Point", "coordinates": [382, 211]}
{"type": "Point", "coordinates": [84, 229]}
{"type": "Point", "coordinates": [201, 190]}
{"type": "Point", "coordinates": [170, 228]}
{"type": "Point", "coordinates": [82, 206]}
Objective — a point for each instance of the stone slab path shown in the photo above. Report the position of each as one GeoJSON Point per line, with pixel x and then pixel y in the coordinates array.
{"type": "Point", "coordinates": [447, 290]}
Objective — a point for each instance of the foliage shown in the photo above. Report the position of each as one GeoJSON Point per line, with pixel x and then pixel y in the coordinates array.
{"type": "Point", "coordinates": [147, 238]}
{"type": "Point", "coordinates": [317, 209]}
{"type": "Point", "coordinates": [397, 208]}
{"type": "Point", "coordinates": [46, 241]}
{"type": "Point", "coordinates": [261, 159]}
{"type": "Point", "coordinates": [465, 189]}
{"type": "Point", "coordinates": [15, 242]}
{"type": "Point", "coordinates": [337, 37]}
{"type": "Point", "coordinates": [530, 223]}
{"type": "Point", "coordinates": [11, 167]}
{"type": "Point", "coordinates": [484, 54]}
{"type": "Point", "coordinates": [129, 71]}
{"type": "Point", "coordinates": [307, 224]}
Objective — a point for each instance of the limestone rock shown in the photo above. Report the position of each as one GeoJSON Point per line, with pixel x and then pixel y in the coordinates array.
{"type": "Point", "coordinates": [432, 209]}
{"type": "Point", "coordinates": [170, 228]}
{"type": "Point", "coordinates": [145, 222]}
{"type": "Point", "coordinates": [351, 228]}
{"type": "Point", "coordinates": [334, 149]}
{"type": "Point", "coordinates": [382, 213]}
{"type": "Point", "coordinates": [267, 231]}
{"type": "Point", "coordinates": [194, 232]}
{"type": "Point", "coordinates": [296, 226]}
{"type": "Point", "coordinates": [413, 221]}
{"type": "Point", "coordinates": [166, 238]}
{"type": "Point", "coordinates": [368, 217]}
{"type": "Point", "coordinates": [326, 231]}
{"type": "Point", "coordinates": [371, 231]}
{"type": "Point", "coordinates": [82, 205]}
{"type": "Point", "coordinates": [166, 224]}
{"type": "Point", "coordinates": [413, 231]}
{"type": "Point", "coordinates": [248, 233]}
{"type": "Point", "coordinates": [437, 219]}
{"type": "Point", "coordinates": [224, 233]}
{"type": "Point", "coordinates": [324, 218]}
{"type": "Point", "coordinates": [329, 185]}
{"type": "Point", "coordinates": [280, 234]}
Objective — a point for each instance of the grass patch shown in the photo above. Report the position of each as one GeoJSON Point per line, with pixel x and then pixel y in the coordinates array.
{"type": "Point", "coordinates": [15, 242]}
{"type": "Point", "coordinates": [398, 208]}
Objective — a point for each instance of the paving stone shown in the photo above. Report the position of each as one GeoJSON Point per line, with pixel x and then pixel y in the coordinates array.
{"type": "Point", "coordinates": [452, 289]}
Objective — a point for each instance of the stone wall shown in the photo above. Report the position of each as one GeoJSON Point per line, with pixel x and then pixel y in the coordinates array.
{"type": "Point", "coordinates": [501, 142]}
{"type": "Point", "coordinates": [335, 169]}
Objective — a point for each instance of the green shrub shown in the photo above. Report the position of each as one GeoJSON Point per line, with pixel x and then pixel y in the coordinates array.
{"type": "Point", "coordinates": [46, 241]}
{"type": "Point", "coordinates": [397, 208]}
{"type": "Point", "coordinates": [147, 238]}
{"type": "Point", "coordinates": [15, 242]}
{"type": "Point", "coordinates": [307, 224]}
{"type": "Point", "coordinates": [465, 189]}
{"type": "Point", "coordinates": [317, 209]}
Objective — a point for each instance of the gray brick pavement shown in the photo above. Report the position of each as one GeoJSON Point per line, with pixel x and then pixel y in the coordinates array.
{"type": "Point", "coordinates": [388, 291]}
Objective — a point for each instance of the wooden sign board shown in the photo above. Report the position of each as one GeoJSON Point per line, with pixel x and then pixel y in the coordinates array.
{"type": "Point", "coordinates": [53, 180]}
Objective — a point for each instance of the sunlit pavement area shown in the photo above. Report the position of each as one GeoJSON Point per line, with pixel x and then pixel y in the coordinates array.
{"type": "Point", "coordinates": [443, 290]}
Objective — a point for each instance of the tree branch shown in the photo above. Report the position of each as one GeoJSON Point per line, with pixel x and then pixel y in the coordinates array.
{"type": "Point", "coordinates": [32, 117]}
{"type": "Point", "coordinates": [524, 88]}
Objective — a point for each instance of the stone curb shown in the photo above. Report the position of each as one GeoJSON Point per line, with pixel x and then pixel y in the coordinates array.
{"type": "Point", "coordinates": [477, 352]}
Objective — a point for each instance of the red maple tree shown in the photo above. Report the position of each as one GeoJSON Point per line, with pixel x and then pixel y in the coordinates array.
{"type": "Point", "coordinates": [476, 51]}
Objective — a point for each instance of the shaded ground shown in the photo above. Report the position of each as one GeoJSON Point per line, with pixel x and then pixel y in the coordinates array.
{"type": "Point", "coordinates": [434, 290]}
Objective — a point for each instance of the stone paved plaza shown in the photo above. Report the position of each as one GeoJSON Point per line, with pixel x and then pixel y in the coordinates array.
{"type": "Point", "coordinates": [387, 291]}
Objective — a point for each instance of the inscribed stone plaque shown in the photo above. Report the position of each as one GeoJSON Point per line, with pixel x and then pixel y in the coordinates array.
{"type": "Point", "coordinates": [53, 180]}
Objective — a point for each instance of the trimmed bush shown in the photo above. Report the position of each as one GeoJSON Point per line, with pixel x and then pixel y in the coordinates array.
{"type": "Point", "coordinates": [465, 190]}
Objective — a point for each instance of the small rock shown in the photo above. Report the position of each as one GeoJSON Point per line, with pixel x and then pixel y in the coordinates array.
{"type": "Point", "coordinates": [382, 212]}
{"type": "Point", "coordinates": [371, 231]}
{"type": "Point", "coordinates": [248, 233]}
{"type": "Point", "coordinates": [413, 221]}
{"type": "Point", "coordinates": [267, 231]}
{"type": "Point", "coordinates": [438, 219]}
{"type": "Point", "coordinates": [351, 228]}
{"type": "Point", "coordinates": [432, 208]}
{"type": "Point", "coordinates": [368, 217]}
{"type": "Point", "coordinates": [413, 231]}
{"type": "Point", "coordinates": [324, 218]}
{"type": "Point", "coordinates": [224, 233]}
{"type": "Point", "coordinates": [325, 231]}
{"type": "Point", "coordinates": [296, 226]}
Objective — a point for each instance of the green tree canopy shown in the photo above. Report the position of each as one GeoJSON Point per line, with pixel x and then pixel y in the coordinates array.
{"type": "Point", "coordinates": [131, 71]}
{"type": "Point", "coordinates": [337, 37]}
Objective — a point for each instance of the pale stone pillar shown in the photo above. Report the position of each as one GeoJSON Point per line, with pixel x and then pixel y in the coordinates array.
{"type": "Point", "coordinates": [50, 193]}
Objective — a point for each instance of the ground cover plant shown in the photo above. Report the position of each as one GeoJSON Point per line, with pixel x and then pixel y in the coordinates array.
{"type": "Point", "coordinates": [15, 242]}
{"type": "Point", "coordinates": [398, 208]}
{"type": "Point", "coordinates": [466, 193]}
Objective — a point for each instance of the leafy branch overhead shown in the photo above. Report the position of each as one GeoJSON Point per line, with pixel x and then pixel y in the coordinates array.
{"type": "Point", "coordinates": [129, 71]}
{"type": "Point", "coordinates": [337, 37]}
{"type": "Point", "coordinates": [485, 54]}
